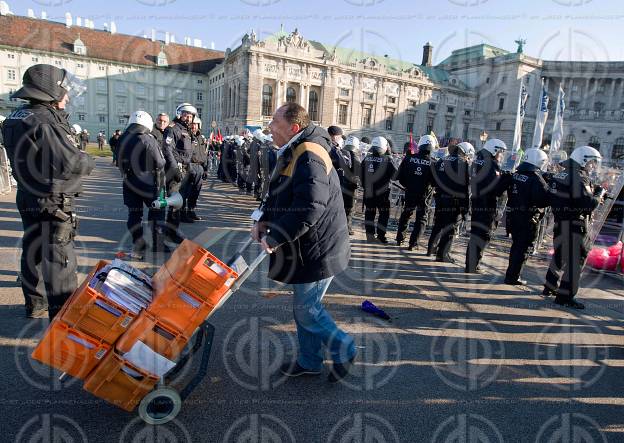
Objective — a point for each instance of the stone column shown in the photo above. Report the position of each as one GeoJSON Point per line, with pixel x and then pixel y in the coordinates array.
{"type": "Point", "coordinates": [302, 100]}
{"type": "Point", "coordinates": [278, 93]}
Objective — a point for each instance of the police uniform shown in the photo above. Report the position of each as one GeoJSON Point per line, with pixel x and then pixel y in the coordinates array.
{"type": "Point", "coordinates": [451, 177]}
{"type": "Point", "coordinates": [416, 177]}
{"type": "Point", "coordinates": [350, 185]}
{"type": "Point", "coordinates": [268, 160]}
{"type": "Point", "coordinates": [528, 195]}
{"type": "Point", "coordinates": [488, 183]}
{"type": "Point", "coordinates": [243, 163]}
{"type": "Point", "coordinates": [178, 141]}
{"type": "Point", "coordinates": [376, 175]}
{"type": "Point", "coordinates": [197, 169]}
{"type": "Point", "coordinates": [142, 165]}
{"type": "Point", "coordinates": [48, 167]}
{"type": "Point", "coordinates": [572, 201]}
{"type": "Point", "coordinates": [255, 171]}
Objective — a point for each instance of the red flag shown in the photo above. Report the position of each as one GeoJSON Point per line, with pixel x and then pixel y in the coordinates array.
{"type": "Point", "coordinates": [412, 150]}
{"type": "Point", "coordinates": [220, 136]}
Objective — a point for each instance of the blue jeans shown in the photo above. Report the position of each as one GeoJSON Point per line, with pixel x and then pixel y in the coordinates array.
{"type": "Point", "coordinates": [315, 327]}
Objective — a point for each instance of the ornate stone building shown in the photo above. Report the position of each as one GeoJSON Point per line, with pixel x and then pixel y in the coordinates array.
{"type": "Point", "coordinates": [474, 90]}
{"type": "Point", "coordinates": [361, 93]}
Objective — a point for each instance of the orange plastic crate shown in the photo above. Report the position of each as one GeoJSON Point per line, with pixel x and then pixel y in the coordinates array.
{"type": "Point", "coordinates": [162, 338]}
{"type": "Point", "coordinates": [70, 350]}
{"type": "Point", "coordinates": [177, 307]}
{"type": "Point", "coordinates": [92, 312]}
{"type": "Point", "coordinates": [120, 382]}
{"type": "Point", "coordinates": [199, 272]}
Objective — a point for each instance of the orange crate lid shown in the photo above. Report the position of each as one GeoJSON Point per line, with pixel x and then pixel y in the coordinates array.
{"type": "Point", "coordinates": [70, 350]}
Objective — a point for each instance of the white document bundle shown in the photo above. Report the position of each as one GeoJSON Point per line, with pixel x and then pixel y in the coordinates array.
{"type": "Point", "coordinates": [144, 357]}
{"type": "Point", "coordinates": [124, 285]}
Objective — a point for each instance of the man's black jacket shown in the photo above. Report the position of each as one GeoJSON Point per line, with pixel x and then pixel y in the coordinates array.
{"type": "Point", "coordinates": [305, 213]}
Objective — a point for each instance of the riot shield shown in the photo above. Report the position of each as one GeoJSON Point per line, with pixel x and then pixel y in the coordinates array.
{"type": "Point", "coordinates": [612, 180]}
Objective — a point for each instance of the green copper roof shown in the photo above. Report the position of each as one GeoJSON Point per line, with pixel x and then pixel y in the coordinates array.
{"type": "Point", "coordinates": [465, 55]}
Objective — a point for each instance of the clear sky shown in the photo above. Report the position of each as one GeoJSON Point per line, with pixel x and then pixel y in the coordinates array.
{"type": "Point", "coordinates": [554, 29]}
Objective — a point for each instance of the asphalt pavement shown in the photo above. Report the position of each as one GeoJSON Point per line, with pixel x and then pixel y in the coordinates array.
{"type": "Point", "coordinates": [464, 358]}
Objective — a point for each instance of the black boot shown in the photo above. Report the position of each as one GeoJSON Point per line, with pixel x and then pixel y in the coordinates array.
{"type": "Point", "coordinates": [191, 214]}
{"type": "Point", "coordinates": [185, 216]}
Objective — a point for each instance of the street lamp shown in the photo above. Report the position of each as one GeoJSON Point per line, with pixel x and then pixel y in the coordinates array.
{"type": "Point", "coordinates": [483, 137]}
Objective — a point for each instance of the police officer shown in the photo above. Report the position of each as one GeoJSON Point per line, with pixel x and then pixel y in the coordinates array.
{"type": "Point", "coordinates": [113, 142]}
{"type": "Point", "coordinates": [351, 177]}
{"type": "Point", "coordinates": [142, 165]}
{"type": "Point", "coordinates": [255, 171]}
{"type": "Point", "coordinates": [198, 171]}
{"type": "Point", "coordinates": [84, 140]}
{"type": "Point", "coordinates": [528, 196]}
{"type": "Point", "coordinates": [451, 177]}
{"type": "Point", "coordinates": [268, 160]}
{"type": "Point", "coordinates": [415, 176]}
{"type": "Point", "coordinates": [179, 142]}
{"type": "Point", "coordinates": [378, 171]}
{"type": "Point", "coordinates": [48, 167]}
{"type": "Point", "coordinates": [488, 183]}
{"type": "Point", "coordinates": [161, 123]}
{"type": "Point", "coordinates": [573, 199]}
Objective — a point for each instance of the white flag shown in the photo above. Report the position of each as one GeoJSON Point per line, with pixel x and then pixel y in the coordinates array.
{"type": "Point", "coordinates": [557, 134]}
{"type": "Point", "coordinates": [540, 118]}
{"type": "Point", "coordinates": [522, 98]}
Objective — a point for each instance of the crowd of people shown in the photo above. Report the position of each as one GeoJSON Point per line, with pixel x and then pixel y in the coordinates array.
{"type": "Point", "coordinates": [166, 161]}
{"type": "Point", "coordinates": [460, 186]}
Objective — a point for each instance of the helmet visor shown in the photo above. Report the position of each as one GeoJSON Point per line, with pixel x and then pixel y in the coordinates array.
{"type": "Point", "coordinates": [74, 86]}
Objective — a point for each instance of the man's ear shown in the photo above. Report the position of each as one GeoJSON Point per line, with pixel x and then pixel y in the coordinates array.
{"type": "Point", "coordinates": [295, 128]}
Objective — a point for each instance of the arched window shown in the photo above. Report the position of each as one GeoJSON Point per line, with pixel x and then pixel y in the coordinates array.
{"type": "Point", "coordinates": [594, 142]}
{"type": "Point", "coordinates": [267, 100]}
{"type": "Point", "coordinates": [291, 96]}
{"type": "Point", "coordinates": [313, 101]}
{"type": "Point", "coordinates": [618, 149]}
{"type": "Point", "coordinates": [570, 143]}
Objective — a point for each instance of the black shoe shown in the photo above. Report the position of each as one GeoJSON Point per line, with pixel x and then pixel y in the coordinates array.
{"type": "Point", "coordinates": [476, 270]}
{"type": "Point", "coordinates": [294, 370]}
{"type": "Point", "coordinates": [518, 282]}
{"type": "Point", "coordinates": [138, 249]}
{"type": "Point", "coordinates": [446, 259]}
{"type": "Point", "coordinates": [174, 237]}
{"type": "Point", "coordinates": [338, 371]}
{"type": "Point", "coordinates": [548, 292]}
{"type": "Point", "coordinates": [370, 238]}
{"type": "Point", "coordinates": [186, 218]}
{"type": "Point", "coordinates": [192, 214]}
{"type": "Point", "coordinates": [411, 247]}
{"type": "Point", "coordinates": [569, 304]}
{"type": "Point", "coordinates": [383, 240]}
{"type": "Point", "coordinates": [37, 313]}
{"type": "Point", "coordinates": [399, 243]}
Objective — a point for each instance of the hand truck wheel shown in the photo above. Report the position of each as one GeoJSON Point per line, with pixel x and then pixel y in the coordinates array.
{"type": "Point", "coordinates": [160, 406]}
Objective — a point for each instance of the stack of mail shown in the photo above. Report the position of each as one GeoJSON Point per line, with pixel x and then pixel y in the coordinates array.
{"type": "Point", "coordinates": [124, 285]}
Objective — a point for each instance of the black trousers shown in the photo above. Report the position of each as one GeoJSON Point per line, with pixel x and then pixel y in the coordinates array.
{"type": "Point", "coordinates": [349, 201]}
{"type": "Point", "coordinates": [48, 263]}
{"type": "Point", "coordinates": [173, 215]}
{"type": "Point", "coordinates": [413, 203]}
{"type": "Point", "coordinates": [381, 205]}
{"type": "Point", "coordinates": [135, 202]}
{"type": "Point", "coordinates": [482, 223]}
{"type": "Point", "coordinates": [447, 216]}
{"type": "Point", "coordinates": [523, 236]}
{"type": "Point", "coordinates": [571, 249]}
{"type": "Point", "coordinates": [192, 185]}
